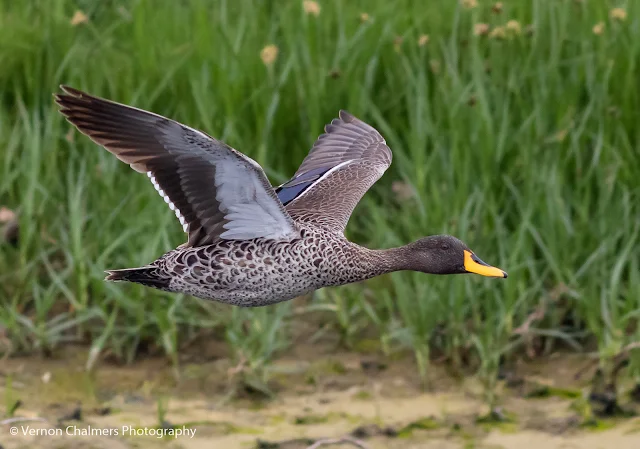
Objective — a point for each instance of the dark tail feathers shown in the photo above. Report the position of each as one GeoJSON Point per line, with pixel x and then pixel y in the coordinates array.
{"type": "Point", "coordinates": [149, 276]}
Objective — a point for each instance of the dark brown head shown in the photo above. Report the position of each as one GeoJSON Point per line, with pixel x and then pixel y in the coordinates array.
{"type": "Point", "coordinates": [444, 254]}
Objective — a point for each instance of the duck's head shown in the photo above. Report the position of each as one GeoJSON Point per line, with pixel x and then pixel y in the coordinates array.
{"type": "Point", "coordinates": [445, 254]}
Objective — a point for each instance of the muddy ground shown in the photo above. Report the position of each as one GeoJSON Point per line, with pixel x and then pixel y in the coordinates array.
{"type": "Point", "coordinates": [318, 394]}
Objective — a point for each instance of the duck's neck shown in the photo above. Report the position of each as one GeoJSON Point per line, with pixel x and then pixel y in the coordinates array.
{"type": "Point", "coordinates": [383, 261]}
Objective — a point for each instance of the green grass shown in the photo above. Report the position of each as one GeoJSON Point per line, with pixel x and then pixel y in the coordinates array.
{"type": "Point", "coordinates": [525, 147]}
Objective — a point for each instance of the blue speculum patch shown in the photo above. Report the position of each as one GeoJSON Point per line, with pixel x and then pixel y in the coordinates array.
{"type": "Point", "coordinates": [293, 188]}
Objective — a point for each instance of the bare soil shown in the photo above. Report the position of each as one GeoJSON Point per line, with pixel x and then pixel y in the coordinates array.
{"type": "Point", "coordinates": [323, 395]}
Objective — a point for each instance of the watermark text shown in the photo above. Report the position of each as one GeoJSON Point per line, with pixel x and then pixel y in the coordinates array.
{"type": "Point", "coordinates": [126, 431]}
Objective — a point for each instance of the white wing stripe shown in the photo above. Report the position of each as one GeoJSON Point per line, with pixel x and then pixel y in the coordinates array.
{"type": "Point", "coordinates": [168, 201]}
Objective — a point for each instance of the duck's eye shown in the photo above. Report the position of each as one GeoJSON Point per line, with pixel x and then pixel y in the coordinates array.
{"type": "Point", "coordinates": [445, 247]}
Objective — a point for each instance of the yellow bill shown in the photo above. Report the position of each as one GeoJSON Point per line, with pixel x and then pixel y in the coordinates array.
{"type": "Point", "coordinates": [473, 264]}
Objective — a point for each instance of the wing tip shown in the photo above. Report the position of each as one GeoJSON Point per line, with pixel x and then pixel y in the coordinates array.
{"type": "Point", "coordinates": [346, 116]}
{"type": "Point", "coordinates": [72, 91]}
{"type": "Point", "coordinates": [343, 117]}
{"type": "Point", "coordinates": [68, 91]}
{"type": "Point", "coordinates": [66, 99]}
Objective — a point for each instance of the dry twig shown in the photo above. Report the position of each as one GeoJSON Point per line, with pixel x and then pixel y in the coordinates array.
{"type": "Point", "coordinates": [342, 440]}
{"type": "Point", "coordinates": [17, 420]}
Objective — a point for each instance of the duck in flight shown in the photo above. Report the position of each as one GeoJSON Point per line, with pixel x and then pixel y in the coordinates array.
{"type": "Point", "coordinates": [249, 244]}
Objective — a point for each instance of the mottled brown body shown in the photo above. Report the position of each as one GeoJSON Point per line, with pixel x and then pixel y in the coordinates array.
{"type": "Point", "coordinates": [262, 272]}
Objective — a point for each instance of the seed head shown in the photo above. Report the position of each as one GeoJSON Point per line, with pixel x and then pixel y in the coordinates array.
{"type": "Point", "coordinates": [79, 18]}
{"type": "Point", "coordinates": [481, 29]}
{"type": "Point", "coordinates": [269, 54]}
{"type": "Point", "coordinates": [311, 8]}
{"type": "Point", "coordinates": [469, 4]}
{"type": "Point", "coordinates": [618, 14]}
{"type": "Point", "coordinates": [513, 26]}
{"type": "Point", "coordinates": [598, 28]}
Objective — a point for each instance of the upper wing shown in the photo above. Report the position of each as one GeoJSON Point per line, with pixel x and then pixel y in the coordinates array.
{"type": "Point", "coordinates": [341, 166]}
{"type": "Point", "coordinates": [216, 191]}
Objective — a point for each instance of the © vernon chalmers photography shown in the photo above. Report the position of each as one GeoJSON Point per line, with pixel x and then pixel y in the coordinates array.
{"type": "Point", "coordinates": [294, 224]}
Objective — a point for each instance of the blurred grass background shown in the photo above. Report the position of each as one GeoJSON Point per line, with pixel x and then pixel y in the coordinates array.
{"type": "Point", "coordinates": [514, 126]}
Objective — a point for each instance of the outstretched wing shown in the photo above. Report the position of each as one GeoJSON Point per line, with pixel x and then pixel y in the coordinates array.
{"type": "Point", "coordinates": [341, 166]}
{"type": "Point", "coordinates": [215, 191]}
